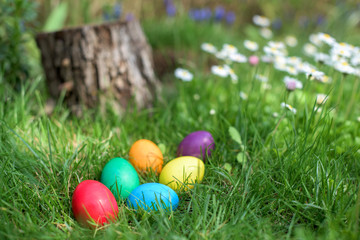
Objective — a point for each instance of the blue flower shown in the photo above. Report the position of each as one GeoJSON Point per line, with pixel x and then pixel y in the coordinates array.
{"type": "Point", "coordinates": [277, 24]}
{"type": "Point", "coordinates": [171, 10]}
{"type": "Point", "coordinates": [206, 13]}
{"type": "Point", "coordinates": [117, 11]}
{"type": "Point", "coordinates": [230, 17]}
{"type": "Point", "coordinates": [219, 13]}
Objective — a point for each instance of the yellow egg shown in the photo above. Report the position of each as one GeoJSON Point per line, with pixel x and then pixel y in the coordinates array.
{"type": "Point", "coordinates": [181, 173]}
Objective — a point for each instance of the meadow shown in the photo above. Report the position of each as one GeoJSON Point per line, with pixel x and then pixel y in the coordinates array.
{"type": "Point", "coordinates": [286, 125]}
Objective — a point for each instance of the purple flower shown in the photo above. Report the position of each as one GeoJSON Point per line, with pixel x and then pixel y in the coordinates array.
{"type": "Point", "coordinates": [129, 17]}
{"type": "Point", "coordinates": [219, 13]}
{"type": "Point", "coordinates": [171, 10]}
{"type": "Point", "coordinates": [230, 17]}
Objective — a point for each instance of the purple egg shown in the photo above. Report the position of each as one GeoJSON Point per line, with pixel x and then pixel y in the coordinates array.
{"type": "Point", "coordinates": [196, 144]}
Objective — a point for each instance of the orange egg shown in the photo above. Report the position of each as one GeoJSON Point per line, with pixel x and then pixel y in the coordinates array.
{"type": "Point", "coordinates": [146, 156]}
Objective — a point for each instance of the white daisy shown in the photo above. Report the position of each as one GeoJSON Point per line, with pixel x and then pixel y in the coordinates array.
{"type": "Point", "coordinates": [212, 112]}
{"type": "Point", "coordinates": [341, 52]}
{"type": "Point", "coordinates": [183, 74]}
{"type": "Point", "coordinates": [321, 98]}
{"type": "Point", "coordinates": [355, 60]}
{"type": "Point", "coordinates": [261, 78]}
{"type": "Point", "coordinates": [273, 51]}
{"type": "Point", "coordinates": [326, 38]}
{"type": "Point", "coordinates": [243, 96]}
{"type": "Point", "coordinates": [208, 47]}
{"type": "Point", "coordinates": [237, 57]}
{"type": "Point", "coordinates": [278, 45]}
{"type": "Point", "coordinates": [314, 39]}
{"type": "Point", "coordinates": [294, 61]}
{"type": "Point", "coordinates": [313, 74]}
{"type": "Point", "coordinates": [219, 71]}
{"type": "Point", "coordinates": [289, 107]}
{"type": "Point", "coordinates": [232, 74]}
{"type": "Point", "coordinates": [344, 67]}
{"type": "Point", "coordinates": [309, 49]}
{"type": "Point", "coordinates": [321, 57]}
{"type": "Point", "coordinates": [251, 45]}
{"type": "Point", "coordinates": [261, 21]}
{"type": "Point", "coordinates": [292, 70]}
{"type": "Point", "coordinates": [266, 33]}
{"type": "Point", "coordinates": [230, 49]}
{"type": "Point", "coordinates": [291, 41]}
{"type": "Point", "coordinates": [223, 55]}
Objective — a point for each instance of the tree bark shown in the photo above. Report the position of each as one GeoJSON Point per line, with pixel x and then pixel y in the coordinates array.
{"type": "Point", "coordinates": [97, 63]}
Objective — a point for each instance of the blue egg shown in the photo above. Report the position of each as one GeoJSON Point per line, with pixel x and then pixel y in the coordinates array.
{"type": "Point", "coordinates": [151, 196]}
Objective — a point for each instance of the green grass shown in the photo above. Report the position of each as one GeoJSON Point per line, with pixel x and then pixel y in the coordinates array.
{"type": "Point", "coordinates": [300, 179]}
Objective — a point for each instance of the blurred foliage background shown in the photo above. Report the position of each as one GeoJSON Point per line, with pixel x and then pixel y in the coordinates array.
{"type": "Point", "coordinates": [22, 19]}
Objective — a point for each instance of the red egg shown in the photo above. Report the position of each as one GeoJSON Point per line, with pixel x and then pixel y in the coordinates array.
{"type": "Point", "coordinates": [93, 204]}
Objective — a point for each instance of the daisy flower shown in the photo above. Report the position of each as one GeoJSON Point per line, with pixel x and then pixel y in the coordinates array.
{"type": "Point", "coordinates": [271, 51]}
{"type": "Point", "coordinates": [237, 57]}
{"type": "Point", "coordinates": [344, 67]}
{"type": "Point", "coordinates": [230, 49]}
{"type": "Point", "coordinates": [212, 112]}
{"type": "Point", "coordinates": [277, 45]}
{"type": "Point", "coordinates": [289, 107]}
{"type": "Point", "coordinates": [223, 55]}
{"type": "Point", "coordinates": [321, 98]}
{"type": "Point", "coordinates": [220, 71]}
{"type": "Point", "coordinates": [321, 57]}
{"type": "Point", "coordinates": [341, 52]}
{"type": "Point", "coordinates": [313, 74]}
{"type": "Point", "coordinates": [183, 74]}
{"type": "Point", "coordinates": [232, 74]}
{"type": "Point", "coordinates": [261, 21]}
{"type": "Point", "coordinates": [314, 39]}
{"type": "Point", "coordinates": [309, 49]}
{"type": "Point", "coordinates": [291, 41]}
{"type": "Point", "coordinates": [292, 70]}
{"type": "Point", "coordinates": [326, 38]}
{"type": "Point", "coordinates": [294, 61]}
{"type": "Point", "coordinates": [292, 83]}
{"type": "Point", "coordinates": [243, 96]}
{"type": "Point", "coordinates": [251, 45]}
{"type": "Point", "coordinates": [266, 33]}
{"type": "Point", "coordinates": [355, 61]}
{"type": "Point", "coordinates": [261, 78]}
{"type": "Point", "coordinates": [208, 47]}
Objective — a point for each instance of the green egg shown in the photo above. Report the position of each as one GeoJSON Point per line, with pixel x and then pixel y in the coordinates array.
{"type": "Point", "coordinates": [120, 177]}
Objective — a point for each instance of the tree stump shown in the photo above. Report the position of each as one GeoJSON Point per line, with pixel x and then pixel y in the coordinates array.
{"type": "Point", "coordinates": [96, 63]}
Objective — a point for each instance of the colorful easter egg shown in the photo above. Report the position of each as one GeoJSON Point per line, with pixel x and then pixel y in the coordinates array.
{"type": "Point", "coordinates": [93, 204]}
{"type": "Point", "coordinates": [197, 144]}
{"type": "Point", "coordinates": [181, 173]}
{"type": "Point", "coordinates": [151, 196]}
{"type": "Point", "coordinates": [120, 177]}
{"type": "Point", "coordinates": [146, 156]}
